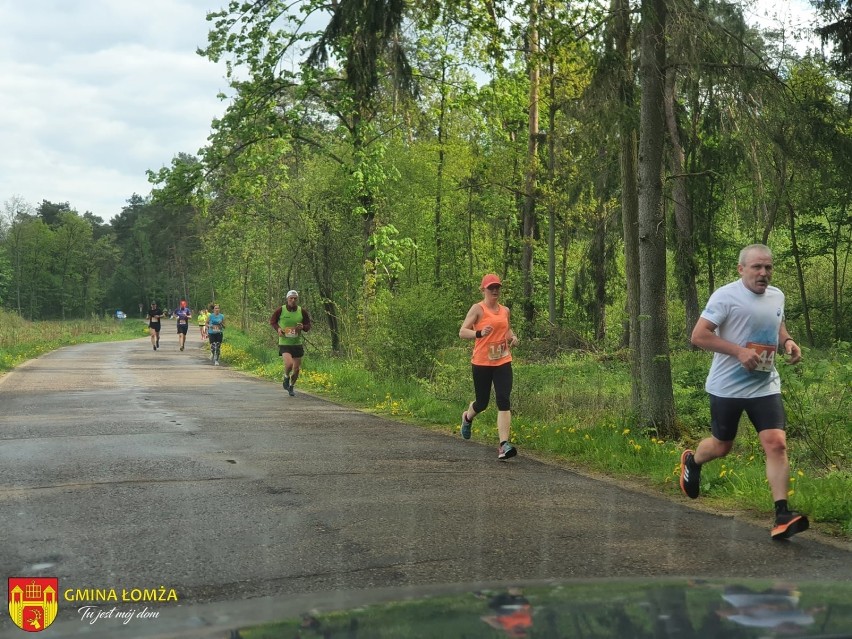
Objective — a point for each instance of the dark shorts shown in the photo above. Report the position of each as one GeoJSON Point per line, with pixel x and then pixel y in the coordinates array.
{"type": "Point", "coordinates": [215, 338]}
{"type": "Point", "coordinates": [297, 351]}
{"type": "Point", "coordinates": [484, 377]}
{"type": "Point", "coordinates": [155, 326]}
{"type": "Point", "coordinates": [183, 328]}
{"type": "Point", "coordinates": [764, 412]}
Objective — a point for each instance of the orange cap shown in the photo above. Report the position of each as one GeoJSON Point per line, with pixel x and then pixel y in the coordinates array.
{"type": "Point", "coordinates": [490, 280]}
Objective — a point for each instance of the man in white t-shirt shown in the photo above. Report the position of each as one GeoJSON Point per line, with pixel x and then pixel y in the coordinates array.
{"type": "Point", "coordinates": [743, 325]}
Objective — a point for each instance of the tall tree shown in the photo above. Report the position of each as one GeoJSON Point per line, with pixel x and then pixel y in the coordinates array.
{"type": "Point", "coordinates": [627, 135]}
{"type": "Point", "coordinates": [657, 393]}
{"type": "Point", "coordinates": [531, 173]}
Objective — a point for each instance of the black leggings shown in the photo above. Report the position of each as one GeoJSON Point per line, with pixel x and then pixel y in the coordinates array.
{"type": "Point", "coordinates": [501, 377]}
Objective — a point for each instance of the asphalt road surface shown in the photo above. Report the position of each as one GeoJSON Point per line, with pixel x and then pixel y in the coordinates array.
{"type": "Point", "coordinates": [124, 468]}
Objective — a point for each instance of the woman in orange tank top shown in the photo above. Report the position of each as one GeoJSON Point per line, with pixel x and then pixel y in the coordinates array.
{"type": "Point", "coordinates": [487, 322]}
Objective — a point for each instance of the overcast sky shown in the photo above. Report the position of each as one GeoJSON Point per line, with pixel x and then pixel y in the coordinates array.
{"type": "Point", "coordinates": [95, 92]}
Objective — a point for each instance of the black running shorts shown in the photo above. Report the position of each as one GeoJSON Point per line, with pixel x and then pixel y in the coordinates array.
{"type": "Point", "coordinates": [297, 351]}
{"type": "Point", "coordinates": [764, 412]}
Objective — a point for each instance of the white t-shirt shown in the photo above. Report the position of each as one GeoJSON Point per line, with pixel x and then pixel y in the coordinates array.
{"type": "Point", "coordinates": [747, 319]}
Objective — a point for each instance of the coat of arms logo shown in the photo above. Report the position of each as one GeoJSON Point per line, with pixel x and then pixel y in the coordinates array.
{"type": "Point", "coordinates": [33, 602]}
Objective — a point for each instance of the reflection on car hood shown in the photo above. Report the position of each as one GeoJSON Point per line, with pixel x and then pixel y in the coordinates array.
{"type": "Point", "coordinates": [681, 609]}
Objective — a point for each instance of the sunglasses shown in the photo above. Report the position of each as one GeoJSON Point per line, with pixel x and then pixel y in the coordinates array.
{"type": "Point", "coordinates": [494, 287]}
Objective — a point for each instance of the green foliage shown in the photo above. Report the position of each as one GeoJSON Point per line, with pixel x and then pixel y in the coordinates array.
{"type": "Point", "coordinates": [407, 332]}
{"type": "Point", "coordinates": [818, 400]}
{"type": "Point", "coordinates": [5, 274]}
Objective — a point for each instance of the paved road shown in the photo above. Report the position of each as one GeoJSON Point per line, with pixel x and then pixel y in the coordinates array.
{"type": "Point", "coordinates": [125, 468]}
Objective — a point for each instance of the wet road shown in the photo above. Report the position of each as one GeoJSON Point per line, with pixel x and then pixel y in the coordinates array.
{"type": "Point", "coordinates": [124, 468]}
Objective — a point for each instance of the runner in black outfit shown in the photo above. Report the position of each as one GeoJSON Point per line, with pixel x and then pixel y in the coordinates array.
{"type": "Point", "coordinates": [153, 317]}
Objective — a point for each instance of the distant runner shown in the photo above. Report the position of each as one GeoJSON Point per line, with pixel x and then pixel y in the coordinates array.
{"type": "Point", "coordinates": [202, 323]}
{"type": "Point", "coordinates": [154, 315]}
{"type": "Point", "coordinates": [183, 315]}
{"type": "Point", "coordinates": [215, 325]}
{"type": "Point", "coordinates": [290, 321]}
{"type": "Point", "coordinates": [488, 323]}
{"type": "Point", "coordinates": [743, 325]}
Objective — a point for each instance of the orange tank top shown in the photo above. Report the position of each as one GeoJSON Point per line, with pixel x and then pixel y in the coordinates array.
{"type": "Point", "coordinates": [493, 349]}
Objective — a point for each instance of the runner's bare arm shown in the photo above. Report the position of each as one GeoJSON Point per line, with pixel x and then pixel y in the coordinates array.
{"type": "Point", "coordinates": [473, 316]}
{"type": "Point", "coordinates": [704, 337]}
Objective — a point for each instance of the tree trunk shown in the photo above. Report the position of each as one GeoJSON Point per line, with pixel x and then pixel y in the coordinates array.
{"type": "Point", "coordinates": [551, 206]}
{"type": "Point", "coordinates": [599, 269]}
{"type": "Point", "coordinates": [531, 172]}
{"type": "Point", "coordinates": [685, 246]}
{"type": "Point", "coordinates": [836, 280]}
{"type": "Point", "coordinates": [629, 195]}
{"type": "Point", "coordinates": [657, 394]}
{"type": "Point", "coordinates": [800, 276]}
{"type": "Point", "coordinates": [780, 189]}
{"type": "Point", "coordinates": [365, 196]}
{"type": "Point", "coordinates": [439, 187]}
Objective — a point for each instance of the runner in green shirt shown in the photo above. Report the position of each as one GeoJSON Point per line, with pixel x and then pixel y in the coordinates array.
{"type": "Point", "coordinates": [290, 321]}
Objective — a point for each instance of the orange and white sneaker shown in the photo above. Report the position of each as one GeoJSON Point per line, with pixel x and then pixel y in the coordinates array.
{"type": "Point", "coordinates": [788, 524]}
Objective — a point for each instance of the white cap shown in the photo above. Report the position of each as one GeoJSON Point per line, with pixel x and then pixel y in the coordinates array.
{"type": "Point", "coordinates": [292, 293]}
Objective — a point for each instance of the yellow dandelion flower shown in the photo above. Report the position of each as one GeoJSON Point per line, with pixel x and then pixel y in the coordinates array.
{"type": "Point", "coordinates": [626, 431]}
{"type": "Point", "coordinates": [790, 493]}
{"type": "Point", "coordinates": [800, 473]}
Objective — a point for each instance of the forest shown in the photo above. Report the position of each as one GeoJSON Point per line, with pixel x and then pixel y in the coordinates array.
{"type": "Point", "coordinates": [607, 160]}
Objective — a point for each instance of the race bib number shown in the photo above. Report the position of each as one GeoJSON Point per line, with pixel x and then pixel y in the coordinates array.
{"type": "Point", "coordinates": [498, 350]}
{"type": "Point", "coordinates": [290, 331]}
{"type": "Point", "coordinates": [766, 354]}
{"type": "Point", "coordinates": [182, 320]}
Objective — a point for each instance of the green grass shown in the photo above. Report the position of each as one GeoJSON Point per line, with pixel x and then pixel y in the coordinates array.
{"type": "Point", "coordinates": [574, 408]}
{"type": "Point", "coordinates": [21, 340]}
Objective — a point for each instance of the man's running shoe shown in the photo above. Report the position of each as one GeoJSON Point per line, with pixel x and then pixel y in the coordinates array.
{"type": "Point", "coordinates": [291, 391]}
{"type": "Point", "coordinates": [155, 348]}
{"type": "Point", "coordinates": [465, 426]}
{"type": "Point", "coordinates": [788, 524]}
{"type": "Point", "coordinates": [506, 450]}
{"type": "Point", "coordinates": [215, 362]}
{"type": "Point", "coordinates": [690, 475]}
{"type": "Point", "coordinates": [181, 348]}
{"type": "Point", "coordinates": [286, 383]}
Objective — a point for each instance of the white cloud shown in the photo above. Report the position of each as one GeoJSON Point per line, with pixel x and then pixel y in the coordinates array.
{"type": "Point", "coordinates": [94, 93]}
